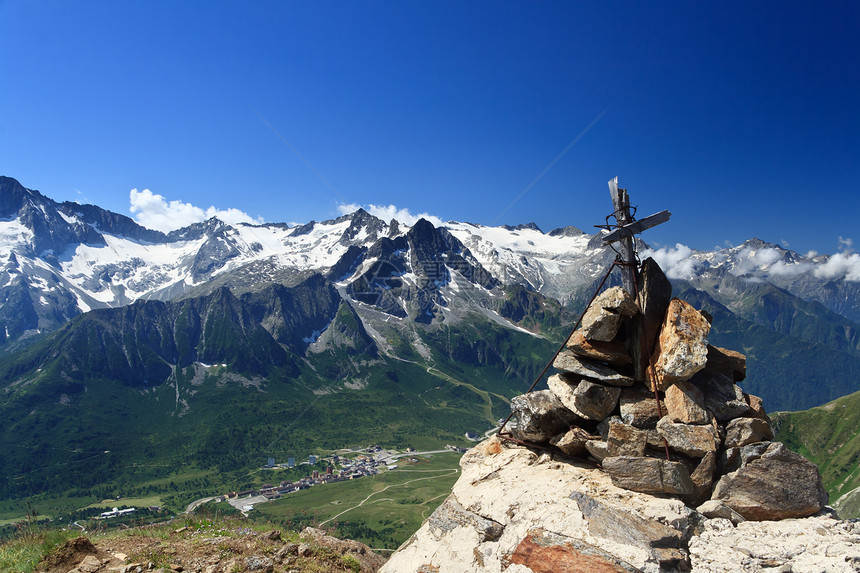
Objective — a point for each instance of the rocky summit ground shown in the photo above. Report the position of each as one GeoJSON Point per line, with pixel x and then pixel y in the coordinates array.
{"type": "Point", "coordinates": [210, 547]}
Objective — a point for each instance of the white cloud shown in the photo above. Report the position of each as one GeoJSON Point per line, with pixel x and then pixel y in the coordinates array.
{"type": "Point", "coordinates": [676, 262]}
{"type": "Point", "coordinates": [680, 262]}
{"type": "Point", "coordinates": [839, 265]}
{"type": "Point", "coordinates": [750, 260]}
{"type": "Point", "coordinates": [389, 212]}
{"type": "Point", "coordinates": [155, 212]}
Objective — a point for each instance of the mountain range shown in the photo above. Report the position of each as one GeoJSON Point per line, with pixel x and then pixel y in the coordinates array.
{"type": "Point", "coordinates": [128, 353]}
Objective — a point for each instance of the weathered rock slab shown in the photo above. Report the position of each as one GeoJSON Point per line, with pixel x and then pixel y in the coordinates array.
{"type": "Point", "coordinates": [639, 408]}
{"type": "Point", "coordinates": [703, 478]}
{"type": "Point", "coordinates": [649, 475]}
{"type": "Point", "coordinates": [540, 416]}
{"type": "Point", "coordinates": [584, 398]}
{"type": "Point", "coordinates": [778, 485]}
{"type": "Point", "coordinates": [599, 449]}
{"type": "Point", "coordinates": [681, 349]}
{"type": "Point", "coordinates": [569, 362]}
{"type": "Point", "coordinates": [688, 439]}
{"type": "Point", "coordinates": [713, 509]}
{"type": "Point", "coordinates": [744, 431]}
{"type": "Point", "coordinates": [554, 514]}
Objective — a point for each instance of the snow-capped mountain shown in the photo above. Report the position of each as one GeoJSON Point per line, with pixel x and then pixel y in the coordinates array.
{"type": "Point", "coordinates": [431, 329]}
{"type": "Point", "coordinates": [64, 259]}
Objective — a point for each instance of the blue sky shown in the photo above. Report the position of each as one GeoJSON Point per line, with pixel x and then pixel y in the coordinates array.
{"type": "Point", "coordinates": [741, 118]}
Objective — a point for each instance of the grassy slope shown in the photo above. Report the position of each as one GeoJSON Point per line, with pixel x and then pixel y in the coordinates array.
{"type": "Point", "coordinates": [828, 436]}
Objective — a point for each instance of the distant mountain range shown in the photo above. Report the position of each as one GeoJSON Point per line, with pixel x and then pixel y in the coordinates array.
{"type": "Point", "coordinates": [220, 345]}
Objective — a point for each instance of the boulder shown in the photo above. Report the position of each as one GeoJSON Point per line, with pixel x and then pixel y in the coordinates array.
{"type": "Point", "coordinates": [625, 440]}
{"type": "Point", "coordinates": [569, 362]}
{"type": "Point", "coordinates": [681, 349]}
{"type": "Point", "coordinates": [593, 401]}
{"type": "Point", "coordinates": [732, 364]}
{"type": "Point", "coordinates": [515, 511]}
{"type": "Point", "coordinates": [584, 398]}
{"type": "Point", "coordinates": [685, 403]}
{"type": "Point", "coordinates": [655, 292]}
{"type": "Point", "coordinates": [603, 318]}
{"type": "Point", "coordinates": [778, 485]}
{"type": "Point", "coordinates": [743, 431]}
{"type": "Point", "coordinates": [543, 551]}
{"type": "Point", "coordinates": [649, 475]}
{"type": "Point", "coordinates": [451, 514]}
{"type": "Point", "coordinates": [614, 353]}
{"type": "Point", "coordinates": [638, 407]}
{"type": "Point", "coordinates": [688, 439]}
{"type": "Point", "coordinates": [573, 441]}
{"type": "Point", "coordinates": [723, 398]}
{"type": "Point", "coordinates": [540, 416]}
{"type": "Point", "coordinates": [605, 521]}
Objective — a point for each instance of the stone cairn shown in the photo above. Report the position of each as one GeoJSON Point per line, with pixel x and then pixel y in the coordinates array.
{"type": "Point", "coordinates": [644, 396]}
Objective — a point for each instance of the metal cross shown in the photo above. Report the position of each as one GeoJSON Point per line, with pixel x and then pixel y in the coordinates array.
{"type": "Point", "coordinates": [625, 230]}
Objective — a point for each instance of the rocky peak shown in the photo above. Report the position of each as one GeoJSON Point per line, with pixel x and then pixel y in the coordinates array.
{"type": "Point", "coordinates": [615, 467]}
{"type": "Point", "coordinates": [520, 510]}
{"type": "Point", "coordinates": [52, 233]}
{"type": "Point", "coordinates": [532, 226]}
{"type": "Point", "coordinates": [112, 223]}
{"type": "Point", "coordinates": [361, 220]}
{"type": "Point", "coordinates": [569, 231]}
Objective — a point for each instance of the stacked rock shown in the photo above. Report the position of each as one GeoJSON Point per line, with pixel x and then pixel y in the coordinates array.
{"type": "Point", "coordinates": [642, 393]}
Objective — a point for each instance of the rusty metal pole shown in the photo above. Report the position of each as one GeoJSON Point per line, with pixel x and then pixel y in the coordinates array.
{"type": "Point", "coordinates": [621, 204]}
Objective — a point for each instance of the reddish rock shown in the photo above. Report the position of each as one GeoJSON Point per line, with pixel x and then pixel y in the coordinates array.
{"type": "Point", "coordinates": [624, 440]}
{"type": "Point", "coordinates": [685, 403]}
{"type": "Point", "coordinates": [614, 353]}
{"type": "Point", "coordinates": [681, 349]}
{"type": "Point", "coordinates": [756, 406]}
{"type": "Point", "coordinates": [546, 552]}
{"type": "Point", "coordinates": [703, 478]}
